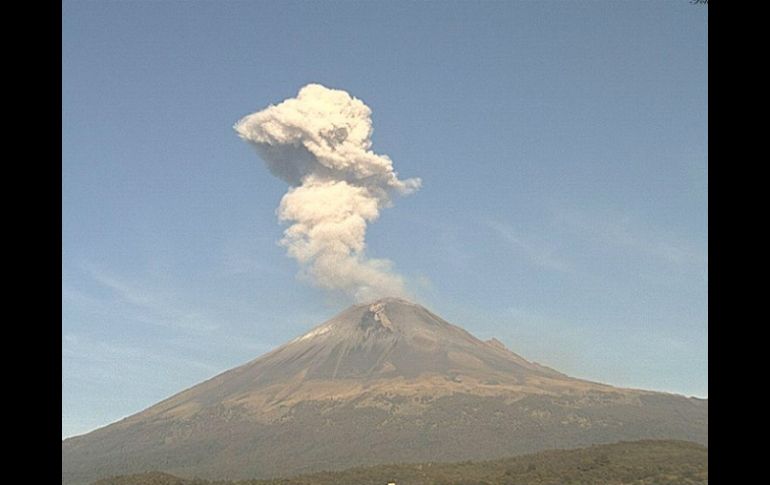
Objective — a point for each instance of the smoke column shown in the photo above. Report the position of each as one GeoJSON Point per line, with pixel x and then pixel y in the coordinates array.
{"type": "Point", "coordinates": [320, 144]}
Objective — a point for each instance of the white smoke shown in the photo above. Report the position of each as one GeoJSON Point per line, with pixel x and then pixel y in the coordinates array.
{"type": "Point", "coordinates": [319, 143]}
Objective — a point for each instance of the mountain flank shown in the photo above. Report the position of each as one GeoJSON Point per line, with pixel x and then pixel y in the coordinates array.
{"type": "Point", "coordinates": [383, 382]}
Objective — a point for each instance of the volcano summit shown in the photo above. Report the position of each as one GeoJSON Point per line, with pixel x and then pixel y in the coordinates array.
{"type": "Point", "coordinates": [382, 382]}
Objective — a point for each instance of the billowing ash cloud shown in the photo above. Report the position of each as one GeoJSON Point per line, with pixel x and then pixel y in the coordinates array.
{"type": "Point", "coordinates": [320, 144]}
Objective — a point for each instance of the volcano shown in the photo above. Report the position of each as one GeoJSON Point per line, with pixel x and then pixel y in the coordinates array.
{"type": "Point", "coordinates": [383, 382]}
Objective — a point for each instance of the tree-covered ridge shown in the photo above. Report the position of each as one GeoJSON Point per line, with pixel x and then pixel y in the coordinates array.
{"type": "Point", "coordinates": [626, 463]}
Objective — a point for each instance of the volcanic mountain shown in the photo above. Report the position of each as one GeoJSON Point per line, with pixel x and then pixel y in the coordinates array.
{"type": "Point", "coordinates": [382, 382]}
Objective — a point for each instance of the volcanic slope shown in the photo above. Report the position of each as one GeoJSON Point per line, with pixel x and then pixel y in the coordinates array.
{"type": "Point", "coordinates": [384, 382]}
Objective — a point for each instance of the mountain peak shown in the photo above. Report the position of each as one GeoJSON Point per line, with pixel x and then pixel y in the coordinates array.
{"type": "Point", "coordinates": [386, 380]}
{"type": "Point", "coordinates": [377, 312]}
{"type": "Point", "coordinates": [393, 338]}
{"type": "Point", "coordinates": [377, 315]}
{"type": "Point", "coordinates": [391, 299]}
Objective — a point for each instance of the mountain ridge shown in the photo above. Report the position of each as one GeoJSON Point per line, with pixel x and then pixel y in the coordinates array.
{"type": "Point", "coordinates": [381, 381]}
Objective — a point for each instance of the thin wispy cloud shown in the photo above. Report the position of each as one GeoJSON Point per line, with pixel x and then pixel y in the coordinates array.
{"type": "Point", "coordinates": [524, 316]}
{"type": "Point", "coordinates": [98, 354]}
{"type": "Point", "coordinates": [537, 252]}
{"type": "Point", "coordinates": [621, 231]}
{"type": "Point", "coordinates": [74, 298]}
{"type": "Point", "coordinates": [446, 238]}
{"type": "Point", "coordinates": [144, 374]}
{"type": "Point", "coordinates": [239, 256]}
{"type": "Point", "coordinates": [152, 306]}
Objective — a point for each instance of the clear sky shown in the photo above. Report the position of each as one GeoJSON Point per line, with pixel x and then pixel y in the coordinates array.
{"type": "Point", "coordinates": [562, 148]}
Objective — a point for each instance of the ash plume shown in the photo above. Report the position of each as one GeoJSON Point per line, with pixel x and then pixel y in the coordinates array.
{"type": "Point", "coordinates": [320, 144]}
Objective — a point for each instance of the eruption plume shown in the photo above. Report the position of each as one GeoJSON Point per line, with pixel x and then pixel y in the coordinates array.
{"type": "Point", "coordinates": [320, 144]}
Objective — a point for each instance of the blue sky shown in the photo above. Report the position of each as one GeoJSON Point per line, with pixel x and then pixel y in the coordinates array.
{"type": "Point", "coordinates": [562, 148]}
